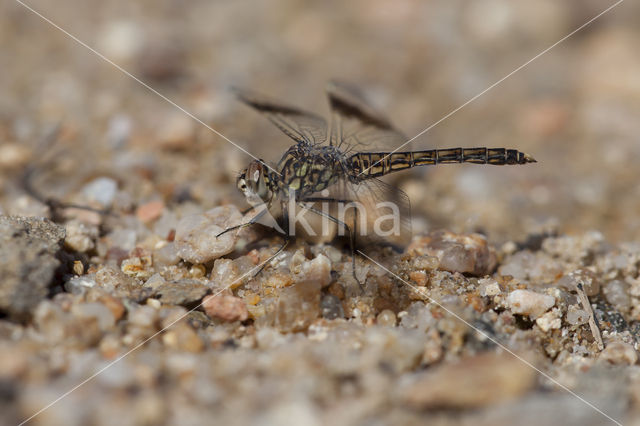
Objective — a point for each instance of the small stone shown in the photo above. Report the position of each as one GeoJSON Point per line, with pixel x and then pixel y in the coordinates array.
{"type": "Point", "coordinates": [418, 277]}
{"type": "Point", "coordinates": [574, 248]}
{"type": "Point", "coordinates": [109, 346]}
{"type": "Point", "coordinates": [617, 293]}
{"type": "Point", "coordinates": [166, 255]}
{"type": "Point", "coordinates": [386, 318]}
{"type": "Point", "coordinates": [101, 190]}
{"type": "Point", "coordinates": [124, 239]}
{"type": "Point", "coordinates": [417, 316]}
{"type": "Point", "coordinates": [226, 274]}
{"type": "Point", "coordinates": [225, 307]}
{"type": "Point", "coordinates": [143, 316]}
{"type": "Point", "coordinates": [549, 321]}
{"type": "Point", "coordinates": [589, 281]}
{"type": "Point", "coordinates": [336, 289]}
{"type": "Point", "coordinates": [114, 304]}
{"type": "Point", "coordinates": [162, 61]}
{"type": "Point", "coordinates": [535, 267]}
{"type": "Point", "coordinates": [576, 315]}
{"type": "Point", "coordinates": [488, 287]}
{"type": "Point", "coordinates": [298, 306]}
{"type": "Point", "coordinates": [183, 337]}
{"type": "Point", "coordinates": [195, 237]}
{"type": "Point", "coordinates": [183, 292]}
{"type": "Point", "coordinates": [427, 263]}
{"type": "Point", "coordinates": [80, 236]}
{"type": "Point", "coordinates": [433, 348]}
{"type": "Point", "coordinates": [28, 248]}
{"type": "Point", "coordinates": [197, 271]}
{"type": "Point", "coordinates": [121, 40]}
{"type": "Point", "coordinates": [619, 353]}
{"type": "Point", "coordinates": [176, 132]}
{"type": "Point", "coordinates": [465, 384]}
{"type": "Point", "coordinates": [316, 270]}
{"type": "Point", "coordinates": [138, 266]}
{"type": "Point", "coordinates": [464, 253]}
{"type": "Point", "coordinates": [331, 307]}
{"type": "Point", "coordinates": [526, 302]}
{"type": "Point", "coordinates": [100, 312]}
{"type": "Point", "coordinates": [79, 285]}
{"type": "Point", "coordinates": [13, 155]}
{"type": "Point", "coordinates": [78, 267]}
{"type": "Point", "coordinates": [150, 211]}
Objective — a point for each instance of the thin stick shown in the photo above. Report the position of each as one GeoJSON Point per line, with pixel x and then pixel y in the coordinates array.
{"type": "Point", "coordinates": [593, 321]}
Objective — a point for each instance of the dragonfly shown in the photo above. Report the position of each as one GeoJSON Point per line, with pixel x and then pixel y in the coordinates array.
{"type": "Point", "coordinates": [340, 163]}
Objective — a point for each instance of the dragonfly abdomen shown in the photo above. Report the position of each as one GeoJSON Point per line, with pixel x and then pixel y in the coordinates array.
{"type": "Point", "coordinates": [376, 164]}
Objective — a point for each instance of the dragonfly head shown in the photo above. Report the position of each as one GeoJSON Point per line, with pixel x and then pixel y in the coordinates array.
{"type": "Point", "coordinates": [255, 183]}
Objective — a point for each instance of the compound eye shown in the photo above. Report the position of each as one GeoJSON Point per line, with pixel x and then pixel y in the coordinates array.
{"type": "Point", "coordinates": [242, 184]}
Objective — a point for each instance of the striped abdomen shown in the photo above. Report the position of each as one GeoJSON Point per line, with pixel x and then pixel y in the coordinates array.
{"type": "Point", "coordinates": [376, 164]}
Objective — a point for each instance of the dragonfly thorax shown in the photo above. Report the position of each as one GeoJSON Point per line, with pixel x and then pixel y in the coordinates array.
{"type": "Point", "coordinates": [305, 169]}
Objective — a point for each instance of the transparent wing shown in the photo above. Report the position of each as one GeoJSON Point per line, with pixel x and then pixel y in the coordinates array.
{"type": "Point", "coordinates": [299, 125]}
{"type": "Point", "coordinates": [355, 124]}
{"type": "Point", "coordinates": [379, 211]}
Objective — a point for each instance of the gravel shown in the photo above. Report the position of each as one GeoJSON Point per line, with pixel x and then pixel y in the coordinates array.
{"type": "Point", "coordinates": [28, 261]}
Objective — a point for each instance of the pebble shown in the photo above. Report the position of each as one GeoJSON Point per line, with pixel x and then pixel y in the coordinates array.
{"type": "Point", "coordinates": [98, 311]}
{"type": "Point", "coordinates": [114, 304]}
{"type": "Point", "coordinates": [101, 190]}
{"type": "Point", "coordinates": [488, 287]}
{"type": "Point", "coordinates": [225, 307]}
{"type": "Point", "coordinates": [331, 307]}
{"type": "Point", "coordinates": [177, 131]}
{"type": "Point", "coordinates": [589, 281]}
{"type": "Point", "coordinates": [13, 155]}
{"type": "Point", "coordinates": [417, 316]}
{"type": "Point", "coordinates": [79, 285]}
{"type": "Point", "coordinates": [183, 292]}
{"type": "Point", "coordinates": [28, 260]}
{"type": "Point", "coordinates": [166, 255]}
{"type": "Point", "coordinates": [386, 318]}
{"type": "Point", "coordinates": [121, 40]}
{"type": "Point", "coordinates": [124, 239]}
{"type": "Point", "coordinates": [143, 316]}
{"type": "Point", "coordinates": [574, 248]}
{"type": "Point", "coordinates": [419, 278]}
{"type": "Point", "coordinates": [619, 353]}
{"type": "Point", "coordinates": [138, 266]}
{"type": "Point", "coordinates": [576, 315]}
{"type": "Point", "coordinates": [80, 237]}
{"type": "Point", "coordinates": [526, 266]}
{"type": "Point", "coordinates": [526, 302]}
{"type": "Point", "coordinates": [464, 253]}
{"type": "Point", "coordinates": [549, 321]}
{"type": "Point", "coordinates": [470, 383]}
{"type": "Point", "coordinates": [317, 270]}
{"type": "Point", "coordinates": [297, 306]}
{"type": "Point", "coordinates": [195, 237]}
{"type": "Point", "coordinates": [150, 211]}
{"type": "Point", "coordinates": [183, 337]}
{"type": "Point", "coordinates": [617, 293]}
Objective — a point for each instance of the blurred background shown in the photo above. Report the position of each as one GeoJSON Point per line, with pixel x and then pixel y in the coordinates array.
{"type": "Point", "coordinates": [574, 108]}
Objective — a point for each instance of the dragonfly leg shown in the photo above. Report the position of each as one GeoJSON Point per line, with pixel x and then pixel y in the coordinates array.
{"type": "Point", "coordinates": [350, 229]}
{"type": "Point", "coordinates": [244, 225]}
{"type": "Point", "coordinates": [285, 243]}
{"type": "Point", "coordinates": [247, 210]}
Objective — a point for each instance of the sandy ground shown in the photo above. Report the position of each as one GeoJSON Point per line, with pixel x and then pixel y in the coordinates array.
{"type": "Point", "coordinates": [496, 281]}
